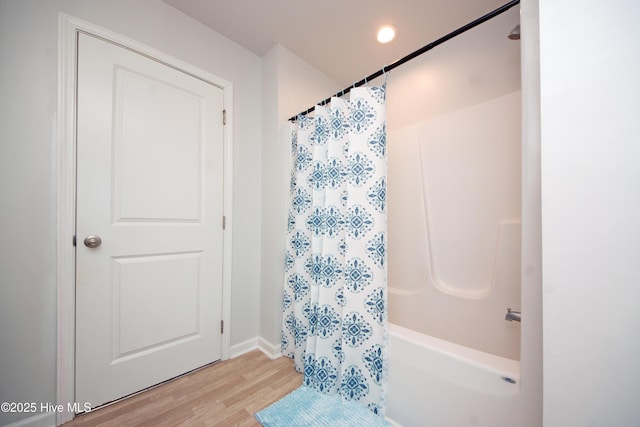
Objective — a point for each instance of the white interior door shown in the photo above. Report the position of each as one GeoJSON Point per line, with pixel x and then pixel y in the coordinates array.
{"type": "Point", "coordinates": [149, 185]}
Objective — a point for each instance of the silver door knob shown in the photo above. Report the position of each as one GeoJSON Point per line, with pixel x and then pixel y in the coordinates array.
{"type": "Point", "coordinates": [92, 241]}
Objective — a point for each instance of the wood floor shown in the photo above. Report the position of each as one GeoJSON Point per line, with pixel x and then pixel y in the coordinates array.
{"type": "Point", "coordinates": [224, 394]}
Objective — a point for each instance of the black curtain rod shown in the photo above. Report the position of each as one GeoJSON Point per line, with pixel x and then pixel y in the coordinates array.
{"type": "Point", "coordinates": [415, 54]}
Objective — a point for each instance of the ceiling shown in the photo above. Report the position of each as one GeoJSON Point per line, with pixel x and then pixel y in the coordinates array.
{"type": "Point", "coordinates": [336, 36]}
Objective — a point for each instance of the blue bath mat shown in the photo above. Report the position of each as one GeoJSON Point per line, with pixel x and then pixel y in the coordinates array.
{"type": "Point", "coordinates": [305, 407]}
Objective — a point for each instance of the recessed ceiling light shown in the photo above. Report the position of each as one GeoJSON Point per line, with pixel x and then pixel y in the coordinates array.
{"type": "Point", "coordinates": [387, 33]}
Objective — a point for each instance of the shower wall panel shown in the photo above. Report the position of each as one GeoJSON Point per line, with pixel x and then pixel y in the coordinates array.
{"type": "Point", "coordinates": [454, 225]}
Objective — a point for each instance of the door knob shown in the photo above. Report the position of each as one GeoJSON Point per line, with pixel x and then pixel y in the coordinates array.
{"type": "Point", "coordinates": [92, 241]}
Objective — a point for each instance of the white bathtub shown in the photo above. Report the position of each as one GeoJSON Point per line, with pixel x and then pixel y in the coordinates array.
{"type": "Point", "coordinates": [436, 383]}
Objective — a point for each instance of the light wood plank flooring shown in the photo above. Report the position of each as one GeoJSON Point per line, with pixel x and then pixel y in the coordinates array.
{"type": "Point", "coordinates": [226, 393]}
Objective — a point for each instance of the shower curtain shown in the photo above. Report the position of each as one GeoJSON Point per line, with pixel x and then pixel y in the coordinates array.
{"type": "Point", "coordinates": [335, 298]}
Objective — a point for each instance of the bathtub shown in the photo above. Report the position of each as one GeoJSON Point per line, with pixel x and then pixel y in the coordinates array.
{"type": "Point", "coordinates": [436, 383]}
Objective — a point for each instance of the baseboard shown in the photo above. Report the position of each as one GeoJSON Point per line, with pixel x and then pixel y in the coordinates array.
{"type": "Point", "coordinates": [272, 351]}
{"type": "Point", "coordinates": [47, 419]}
{"type": "Point", "coordinates": [243, 347]}
{"type": "Point", "coordinates": [393, 423]}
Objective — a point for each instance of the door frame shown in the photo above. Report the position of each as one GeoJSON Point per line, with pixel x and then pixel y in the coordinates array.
{"type": "Point", "coordinates": [68, 27]}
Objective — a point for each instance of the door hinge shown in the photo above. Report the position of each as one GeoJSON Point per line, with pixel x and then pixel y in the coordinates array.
{"type": "Point", "coordinates": [222, 326]}
{"type": "Point", "coordinates": [224, 222]}
{"type": "Point", "coordinates": [74, 240]}
{"type": "Point", "coordinates": [224, 117]}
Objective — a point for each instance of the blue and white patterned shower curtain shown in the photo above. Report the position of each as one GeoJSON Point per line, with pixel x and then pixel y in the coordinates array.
{"type": "Point", "coordinates": [335, 297]}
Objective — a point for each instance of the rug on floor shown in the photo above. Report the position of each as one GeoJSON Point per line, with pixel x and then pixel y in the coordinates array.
{"type": "Point", "coordinates": [304, 407]}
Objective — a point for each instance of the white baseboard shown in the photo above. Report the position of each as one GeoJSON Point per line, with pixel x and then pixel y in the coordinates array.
{"type": "Point", "coordinates": [393, 423]}
{"type": "Point", "coordinates": [243, 347]}
{"type": "Point", "coordinates": [47, 419]}
{"type": "Point", "coordinates": [272, 351]}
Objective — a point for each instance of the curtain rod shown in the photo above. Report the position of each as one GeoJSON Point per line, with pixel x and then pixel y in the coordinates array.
{"type": "Point", "coordinates": [415, 54]}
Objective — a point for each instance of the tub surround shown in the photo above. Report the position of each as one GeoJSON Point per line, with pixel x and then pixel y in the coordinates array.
{"type": "Point", "coordinates": [454, 226]}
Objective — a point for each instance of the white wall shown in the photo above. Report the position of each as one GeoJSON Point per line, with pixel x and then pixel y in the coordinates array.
{"type": "Point", "coordinates": [290, 85]}
{"type": "Point", "coordinates": [474, 67]}
{"type": "Point", "coordinates": [590, 133]}
{"type": "Point", "coordinates": [28, 121]}
{"type": "Point", "coordinates": [273, 201]}
{"type": "Point", "coordinates": [531, 253]}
